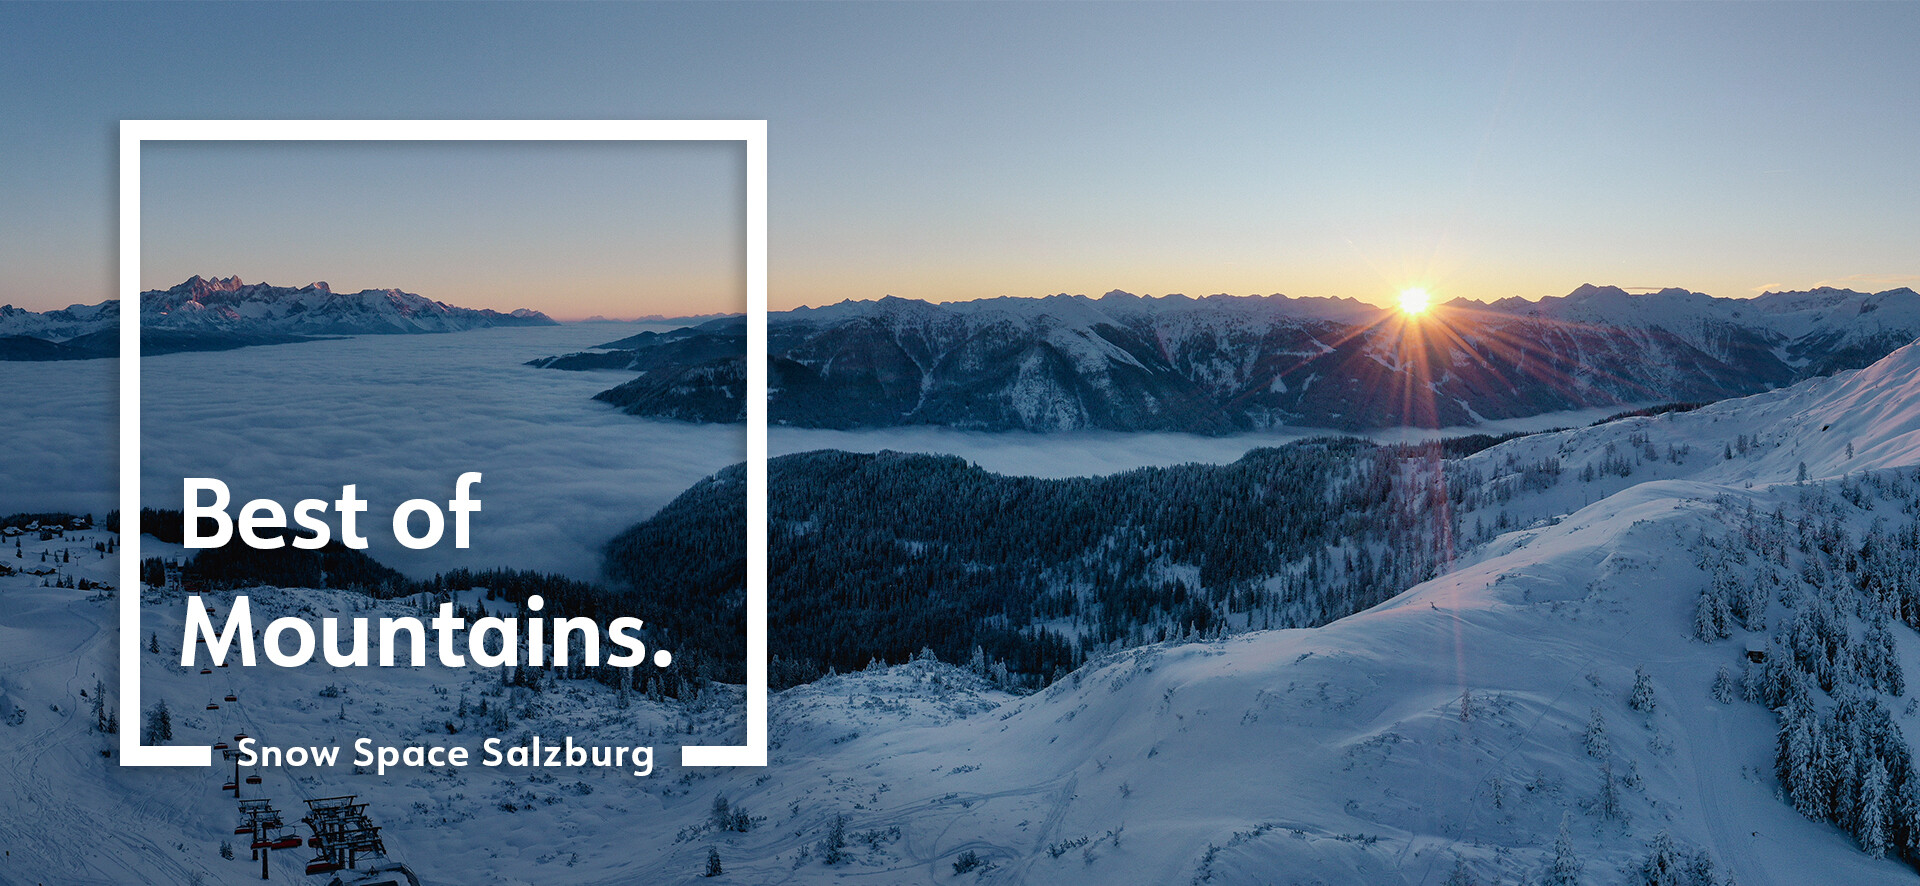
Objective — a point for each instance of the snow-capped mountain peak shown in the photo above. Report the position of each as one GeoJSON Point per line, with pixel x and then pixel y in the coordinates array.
{"type": "Point", "coordinates": [1222, 363]}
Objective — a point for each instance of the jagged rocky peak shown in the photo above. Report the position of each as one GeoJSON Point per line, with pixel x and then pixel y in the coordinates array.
{"type": "Point", "coordinates": [198, 284]}
{"type": "Point", "coordinates": [228, 305]}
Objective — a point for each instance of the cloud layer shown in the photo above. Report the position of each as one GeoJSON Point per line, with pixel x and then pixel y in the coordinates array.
{"type": "Point", "coordinates": [402, 416]}
{"type": "Point", "coordinates": [1095, 453]}
{"type": "Point", "coordinates": [59, 434]}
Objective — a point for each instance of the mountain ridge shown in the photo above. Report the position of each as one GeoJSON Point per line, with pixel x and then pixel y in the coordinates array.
{"type": "Point", "coordinates": [1224, 364]}
{"type": "Point", "coordinates": [218, 313]}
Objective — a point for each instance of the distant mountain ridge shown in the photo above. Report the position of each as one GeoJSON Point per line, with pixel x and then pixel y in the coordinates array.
{"type": "Point", "coordinates": [662, 318]}
{"type": "Point", "coordinates": [1221, 364]}
{"type": "Point", "coordinates": [221, 313]}
{"type": "Point", "coordinates": [1818, 331]}
{"type": "Point", "coordinates": [315, 309]}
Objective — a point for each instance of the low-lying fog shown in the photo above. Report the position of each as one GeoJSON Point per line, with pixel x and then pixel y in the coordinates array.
{"type": "Point", "coordinates": [401, 416]}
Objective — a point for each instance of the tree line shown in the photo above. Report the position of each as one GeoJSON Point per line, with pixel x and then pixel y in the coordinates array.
{"type": "Point", "coordinates": [880, 556]}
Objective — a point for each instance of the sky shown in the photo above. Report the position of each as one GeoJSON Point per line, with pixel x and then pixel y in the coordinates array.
{"type": "Point", "coordinates": [953, 151]}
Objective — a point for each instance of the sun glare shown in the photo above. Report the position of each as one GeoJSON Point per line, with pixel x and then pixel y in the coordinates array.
{"type": "Point", "coordinates": [1414, 301]}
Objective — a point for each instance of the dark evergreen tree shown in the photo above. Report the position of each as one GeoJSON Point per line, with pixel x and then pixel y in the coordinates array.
{"type": "Point", "coordinates": [1565, 868]}
{"type": "Point", "coordinates": [159, 723]}
{"type": "Point", "coordinates": [1641, 699]}
{"type": "Point", "coordinates": [1663, 865]}
{"type": "Point", "coordinates": [833, 846]}
{"type": "Point", "coordinates": [1871, 824]}
{"type": "Point", "coordinates": [98, 701]}
{"type": "Point", "coordinates": [1596, 735]}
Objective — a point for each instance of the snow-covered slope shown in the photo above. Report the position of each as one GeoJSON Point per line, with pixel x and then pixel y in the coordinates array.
{"type": "Point", "coordinates": [1454, 727]}
{"type": "Point", "coordinates": [1447, 727]}
{"type": "Point", "coordinates": [1861, 420]}
{"type": "Point", "coordinates": [59, 782]}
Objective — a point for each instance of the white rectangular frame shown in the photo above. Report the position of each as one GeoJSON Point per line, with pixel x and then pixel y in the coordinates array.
{"type": "Point", "coordinates": [135, 132]}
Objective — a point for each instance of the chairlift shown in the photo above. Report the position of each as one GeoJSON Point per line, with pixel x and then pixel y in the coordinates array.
{"type": "Point", "coordinates": [231, 786]}
{"type": "Point", "coordinates": [287, 842]}
{"type": "Point", "coordinates": [253, 779]}
{"type": "Point", "coordinates": [262, 843]}
{"type": "Point", "coordinates": [322, 866]}
{"type": "Point", "coordinates": [232, 697]}
{"type": "Point", "coordinates": [239, 736]}
{"type": "Point", "coordinates": [313, 842]}
{"type": "Point", "coordinates": [243, 829]}
{"type": "Point", "coordinates": [211, 706]}
{"type": "Point", "coordinates": [206, 670]}
{"type": "Point", "coordinates": [221, 746]}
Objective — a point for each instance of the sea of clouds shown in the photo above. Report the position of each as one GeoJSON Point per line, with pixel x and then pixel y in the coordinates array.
{"type": "Point", "coordinates": [401, 416]}
{"type": "Point", "coordinates": [1096, 453]}
{"type": "Point", "coordinates": [59, 435]}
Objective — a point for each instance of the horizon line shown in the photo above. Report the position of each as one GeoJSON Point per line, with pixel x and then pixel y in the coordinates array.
{"type": "Point", "coordinates": [1386, 301]}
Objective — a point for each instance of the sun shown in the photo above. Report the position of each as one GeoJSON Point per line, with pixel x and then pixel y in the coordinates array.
{"type": "Point", "coordinates": [1414, 301]}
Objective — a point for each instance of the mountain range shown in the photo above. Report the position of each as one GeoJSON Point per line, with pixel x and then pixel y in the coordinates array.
{"type": "Point", "coordinates": [221, 313]}
{"type": "Point", "coordinates": [1222, 364]}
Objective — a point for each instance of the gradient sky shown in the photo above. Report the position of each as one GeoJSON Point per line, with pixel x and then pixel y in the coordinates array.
{"type": "Point", "coordinates": [958, 151]}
